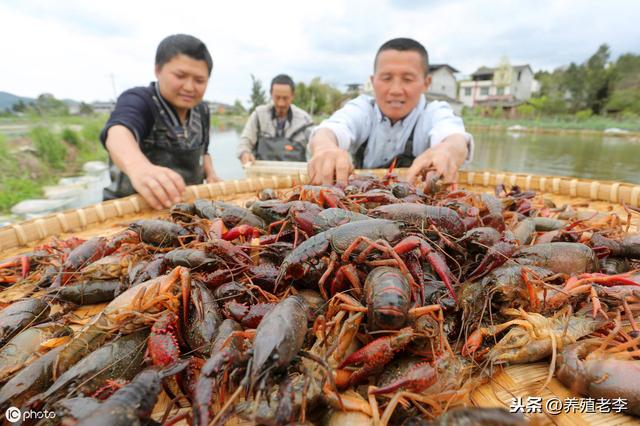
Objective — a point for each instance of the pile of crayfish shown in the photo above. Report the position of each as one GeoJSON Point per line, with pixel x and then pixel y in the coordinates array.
{"type": "Point", "coordinates": [378, 302]}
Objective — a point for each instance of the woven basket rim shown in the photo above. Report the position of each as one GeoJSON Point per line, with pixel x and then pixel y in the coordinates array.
{"type": "Point", "coordinates": [25, 233]}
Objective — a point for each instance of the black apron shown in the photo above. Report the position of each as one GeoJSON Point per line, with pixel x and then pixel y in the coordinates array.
{"type": "Point", "coordinates": [403, 160]}
{"type": "Point", "coordinates": [279, 148]}
{"type": "Point", "coordinates": [169, 144]}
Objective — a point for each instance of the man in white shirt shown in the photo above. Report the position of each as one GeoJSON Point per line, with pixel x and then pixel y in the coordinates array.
{"type": "Point", "coordinates": [397, 124]}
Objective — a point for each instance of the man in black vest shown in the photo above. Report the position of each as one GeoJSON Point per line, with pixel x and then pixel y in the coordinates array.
{"type": "Point", "coordinates": [397, 123]}
{"type": "Point", "coordinates": [157, 136]}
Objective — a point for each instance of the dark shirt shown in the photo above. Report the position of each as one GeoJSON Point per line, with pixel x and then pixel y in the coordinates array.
{"type": "Point", "coordinates": [134, 110]}
{"type": "Point", "coordinates": [162, 139]}
{"type": "Point", "coordinates": [280, 127]}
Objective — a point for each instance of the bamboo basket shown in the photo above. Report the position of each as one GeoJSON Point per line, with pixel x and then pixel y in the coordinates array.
{"type": "Point", "coordinates": [109, 217]}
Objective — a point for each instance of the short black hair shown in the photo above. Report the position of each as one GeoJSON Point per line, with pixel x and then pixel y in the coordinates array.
{"type": "Point", "coordinates": [405, 45]}
{"type": "Point", "coordinates": [283, 79]}
{"type": "Point", "coordinates": [184, 44]}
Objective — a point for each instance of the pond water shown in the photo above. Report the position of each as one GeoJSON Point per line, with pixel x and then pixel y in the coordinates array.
{"type": "Point", "coordinates": [591, 157]}
{"type": "Point", "coordinates": [222, 148]}
{"type": "Point", "coordinates": [583, 156]}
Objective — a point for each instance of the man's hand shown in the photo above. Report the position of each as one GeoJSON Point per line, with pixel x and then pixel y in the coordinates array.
{"type": "Point", "coordinates": [328, 163]}
{"type": "Point", "coordinates": [247, 157]}
{"type": "Point", "coordinates": [446, 158]}
{"type": "Point", "coordinates": [159, 186]}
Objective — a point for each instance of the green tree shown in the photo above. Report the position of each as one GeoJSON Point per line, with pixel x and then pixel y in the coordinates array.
{"type": "Point", "coordinates": [238, 108]}
{"type": "Point", "coordinates": [19, 106]}
{"type": "Point", "coordinates": [258, 96]}
{"type": "Point", "coordinates": [47, 104]}
{"type": "Point", "coordinates": [573, 82]}
{"type": "Point", "coordinates": [625, 96]}
{"type": "Point", "coordinates": [549, 105]}
{"type": "Point", "coordinates": [552, 84]}
{"type": "Point", "coordinates": [318, 97]}
{"type": "Point", "coordinates": [85, 109]}
{"type": "Point", "coordinates": [598, 79]}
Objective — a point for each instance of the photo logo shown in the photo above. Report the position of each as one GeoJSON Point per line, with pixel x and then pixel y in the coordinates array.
{"type": "Point", "coordinates": [13, 414]}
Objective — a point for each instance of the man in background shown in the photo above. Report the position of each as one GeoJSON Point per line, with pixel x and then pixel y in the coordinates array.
{"type": "Point", "coordinates": [277, 131]}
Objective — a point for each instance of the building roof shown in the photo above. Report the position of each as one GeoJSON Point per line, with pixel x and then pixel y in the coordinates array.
{"type": "Point", "coordinates": [355, 86]}
{"type": "Point", "coordinates": [435, 67]}
{"type": "Point", "coordinates": [103, 103]}
{"type": "Point", "coordinates": [489, 71]}
{"type": "Point", "coordinates": [440, 97]}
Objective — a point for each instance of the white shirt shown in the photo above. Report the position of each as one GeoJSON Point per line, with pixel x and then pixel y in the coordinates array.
{"type": "Point", "coordinates": [361, 120]}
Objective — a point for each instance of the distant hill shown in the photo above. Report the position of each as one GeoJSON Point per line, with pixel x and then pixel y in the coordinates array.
{"type": "Point", "coordinates": [8, 99]}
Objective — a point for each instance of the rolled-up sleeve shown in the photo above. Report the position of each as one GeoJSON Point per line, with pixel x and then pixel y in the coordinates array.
{"type": "Point", "coordinates": [351, 124]}
{"type": "Point", "coordinates": [445, 123]}
{"type": "Point", "coordinates": [134, 111]}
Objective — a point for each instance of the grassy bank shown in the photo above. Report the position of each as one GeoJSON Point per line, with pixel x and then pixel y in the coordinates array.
{"type": "Point", "coordinates": [222, 121]}
{"type": "Point", "coordinates": [47, 148]}
{"type": "Point", "coordinates": [52, 148]}
{"type": "Point", "coordinates": [550, 124]}
{"type": "Point", "coordinates": [555, 123]}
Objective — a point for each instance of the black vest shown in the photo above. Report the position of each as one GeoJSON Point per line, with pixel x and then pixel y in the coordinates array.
{"type": "Point", "coordinates": [403, 160]}
{"type": "Point", "coordinates": [169, 144]}
{"type": "Point", "coordinates": [279, 148]}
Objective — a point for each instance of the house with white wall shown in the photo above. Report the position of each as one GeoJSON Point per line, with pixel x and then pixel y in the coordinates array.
{"type": "Point", "coordinates": [505, 85]}
{"type": "Point", "coordinates": [443, 85]}
{"type": "Point", "coordinates": [443, 80]}
{"type": "Point", "coordinates": [103, 107]}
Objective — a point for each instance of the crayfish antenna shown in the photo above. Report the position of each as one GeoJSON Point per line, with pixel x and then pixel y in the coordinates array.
{"type": "Point", "coordinates": [225, 408]}
{"type": "Point", "coordinates": [391, 169]}
{"type": "Point", "coordinates": [279, 278]}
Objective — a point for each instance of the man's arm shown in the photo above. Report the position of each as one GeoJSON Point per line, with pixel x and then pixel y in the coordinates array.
{"type": "Point", "coordinates": [248, 139]}
{"type": "Point", "coordinates": [330, 142]}
{"type": "Point", "coordinates": [209, 172]}
{"type": "Point", "coordinates": [159, 186]}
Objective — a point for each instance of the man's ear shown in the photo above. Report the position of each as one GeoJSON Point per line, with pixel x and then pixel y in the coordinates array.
{"type": "Point", "coordinates": [427, 82]}
{"type": "Point", "coordinates": [157, 71]}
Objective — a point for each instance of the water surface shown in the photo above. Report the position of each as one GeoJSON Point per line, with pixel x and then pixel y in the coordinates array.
{"type": "Point", "coordinates": [582, 156]}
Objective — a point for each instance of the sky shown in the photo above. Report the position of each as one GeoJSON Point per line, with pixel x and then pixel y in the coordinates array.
{"type": "Point", "coordinates": [94, 50]}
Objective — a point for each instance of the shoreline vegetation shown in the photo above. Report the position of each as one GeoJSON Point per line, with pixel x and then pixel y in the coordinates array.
{"type": "Point", "coordinates": [36, 151]}
{"type": "Point", "coordinates": [559, 124]}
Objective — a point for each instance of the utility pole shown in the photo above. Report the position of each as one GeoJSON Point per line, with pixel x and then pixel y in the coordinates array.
{"type": "Point", "coordinates": [113, 85]}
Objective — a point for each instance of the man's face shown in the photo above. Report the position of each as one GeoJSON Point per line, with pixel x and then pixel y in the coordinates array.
{"type": "Point", "coordinates": [398, 82]}
{"type": "Point", "coordinates": [183, 81]}
{"type": "Point", "coordinates": [282, 97]}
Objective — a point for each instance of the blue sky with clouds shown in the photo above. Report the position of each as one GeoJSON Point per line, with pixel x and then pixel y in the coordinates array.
{"type": "Point", "coordinates": [72, 48]}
